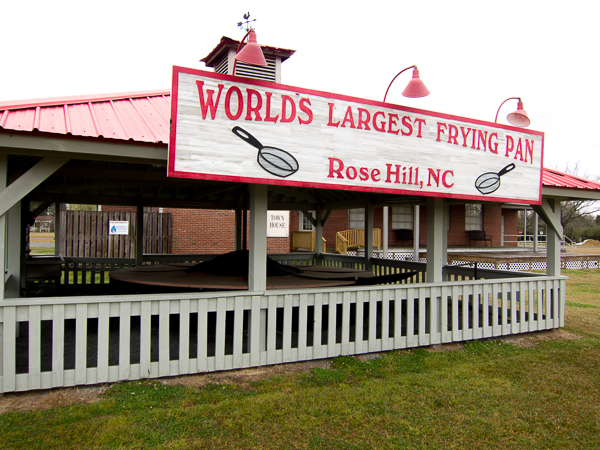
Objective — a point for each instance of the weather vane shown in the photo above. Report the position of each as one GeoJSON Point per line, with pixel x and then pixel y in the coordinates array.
{"type": "Point", "coordinates": [246, 24]}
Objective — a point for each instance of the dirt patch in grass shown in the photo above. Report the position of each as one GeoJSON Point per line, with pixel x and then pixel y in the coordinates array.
{"type": "Point", "coordinates": [590, 243]}
{"type": "Point", "coordinates": [48, 399]}
{"type": "Point", "coordinates": [532, 339]}
{"type": "Point", "coordinates": [56, 398]}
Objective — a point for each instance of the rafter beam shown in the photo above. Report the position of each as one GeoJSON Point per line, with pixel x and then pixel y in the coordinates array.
{"type": "Point", "coordinates": [293, 193]}
{"type": "Point", "coordinates": [27, 182]}
{"type": "Point", "coordinates": [550, 215]}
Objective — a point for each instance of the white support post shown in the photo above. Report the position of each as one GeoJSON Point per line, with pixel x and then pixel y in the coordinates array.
{"type": "Point", "coordinates": [13, 253]}
{"type": "Point", "coordinates": [535, 232]}
{"type": "Point", "coordinates": [369, 210]}
{"type": "Point", "coordinates": [3, 225]}
{"type": "Point", "coordinates": [416, 232]}
{"type": "Point", "coordinates": [257, 273]}
{"type": "Point", "coordinates": [550, 212]}
{"type": "Point", "coordinates": [237, 239]}
{"type": "Point", "coordinates": [525, 227]}
{"type": "Point", "coordinates": [436, 229]}
{"type": "Point", "coordinates": [139, 235]}
{"type": "Point", "coordinates": [319, 234]}
{"type": "Point", "coordinates": [57, 228]}
{"type": "Point", "coordinates": [385, 232]}
{"type": "Point", "coordinates": [554, 239]}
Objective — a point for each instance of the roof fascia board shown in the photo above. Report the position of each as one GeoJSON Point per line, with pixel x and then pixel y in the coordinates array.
{"type": "Point", "coordinates": [81, 149]}
{"type": "Point", "coordinates": [570, 194]}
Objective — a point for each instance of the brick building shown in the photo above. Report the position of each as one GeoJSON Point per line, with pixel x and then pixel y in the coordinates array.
{"type": "Point", "coordinates": [207, 231]}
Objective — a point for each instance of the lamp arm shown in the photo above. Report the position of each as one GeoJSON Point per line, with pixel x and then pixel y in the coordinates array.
{"type": "Point", "coordinates": [240, 47]}
{"type": "Point", "coordinates": [498, 112]}
{"type": "Point", "coordinates": [390, 85]}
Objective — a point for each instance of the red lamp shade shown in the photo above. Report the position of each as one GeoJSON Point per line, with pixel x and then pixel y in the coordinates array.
{"type": "Point", "coordinates": [415, 88]}
{"type": "Point", "coordinates": [519, 118]}
{"type": "Point", "coordinates": [251, 53]}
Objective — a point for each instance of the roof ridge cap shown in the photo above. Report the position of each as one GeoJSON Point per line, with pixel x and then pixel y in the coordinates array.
{"type": "Point", "coordinates": [82, 99]}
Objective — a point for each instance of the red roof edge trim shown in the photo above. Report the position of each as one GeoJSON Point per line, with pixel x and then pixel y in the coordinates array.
{"type": "Point", "coordinates": [59, 101]}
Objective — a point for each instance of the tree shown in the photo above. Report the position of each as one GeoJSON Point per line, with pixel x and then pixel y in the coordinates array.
{"type": "Point", "coordinates": [78, 207]}
{"type": "Point", "coordinates": [575, 213]}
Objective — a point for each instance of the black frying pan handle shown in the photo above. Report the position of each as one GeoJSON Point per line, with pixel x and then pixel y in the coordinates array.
{"type": "Point", "coordinates": [243, 134]}
{"type": "Point", "coordinates": [507, 169]}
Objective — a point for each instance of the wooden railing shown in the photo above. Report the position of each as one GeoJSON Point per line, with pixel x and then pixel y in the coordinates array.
{"type": "Point", "coordinates": [68, 341]}
{"type": "Point", "coordinates": [306, 240]}
{"type": "Point", "coordinates": [355, 238]}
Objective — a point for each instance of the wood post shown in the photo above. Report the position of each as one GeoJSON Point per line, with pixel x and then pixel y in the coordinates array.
{"type": "Point", "coordinates": [436, 239]}
{"type": "Point", "coordinates": [416, 234]}
{"type": "Point", "coordinates": [369, 210]}
{"type": "Point", "coordinates": [319, 235]}
{"type": "Point", "coordinates": [257, 274]}
{"type": "Point", "coordinates": [139, 235]}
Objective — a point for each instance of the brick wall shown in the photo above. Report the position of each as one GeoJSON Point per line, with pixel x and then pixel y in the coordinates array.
{"type": "Point", "coordinates": [212, 231]}
{"type": "Point", "coordinates": [511, 226]}
{"type": "Point", "coordinates": [208, 231]}
{"type": "Point", "coordinates": [338, 221]}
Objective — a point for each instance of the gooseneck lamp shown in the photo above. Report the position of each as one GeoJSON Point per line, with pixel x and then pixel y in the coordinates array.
{"type": "Point", "coordinates": [518, 118]}
{"type": "Point", "coordinates": [251, 53]}
{"type": "Point", "coordinates": [415, 88]}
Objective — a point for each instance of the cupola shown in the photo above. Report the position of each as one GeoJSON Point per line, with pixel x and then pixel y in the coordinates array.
{"type": "Point", "coordinates": [221, 58]}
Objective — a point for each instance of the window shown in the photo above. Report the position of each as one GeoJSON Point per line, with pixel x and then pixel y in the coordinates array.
{"type": "Point", "coordinates": [473, 217]}
{"type": "Point", "coordinates": [357, 218]}
{"type": "Point", "coordinates": [402, 217]}
{"type": "Point", "coordinates": [304, 223]}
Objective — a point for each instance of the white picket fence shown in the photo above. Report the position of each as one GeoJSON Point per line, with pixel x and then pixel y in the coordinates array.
{"type": "Point", "coordinates": [67, 341]}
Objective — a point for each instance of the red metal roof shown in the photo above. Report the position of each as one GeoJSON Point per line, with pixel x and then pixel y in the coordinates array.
{"type": "Point", "coordinates": [138, 116]}
{"type": "Point", "coordinates": [554, 178]}
{"type": "Point", "coordinates": [144, 117]}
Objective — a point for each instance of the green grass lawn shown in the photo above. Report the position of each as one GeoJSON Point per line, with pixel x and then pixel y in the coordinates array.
{"type": "Point", "coordinates": [488, 394]}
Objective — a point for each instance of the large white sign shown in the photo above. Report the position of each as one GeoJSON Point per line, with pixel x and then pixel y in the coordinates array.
{"type": "Point", "coordinates": [233, 129]}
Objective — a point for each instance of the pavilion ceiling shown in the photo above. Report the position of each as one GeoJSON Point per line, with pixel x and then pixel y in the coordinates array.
{"type": "Point", "coordinates": [130, 184]}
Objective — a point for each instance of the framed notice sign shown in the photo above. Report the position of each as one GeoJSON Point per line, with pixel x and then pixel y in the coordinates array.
{"type": "Point", "coordinates": [278, 223]}
{"type": "Point", "coordinates": [118, 227]}
{"type": "Point", "coordinates": [237, 129]}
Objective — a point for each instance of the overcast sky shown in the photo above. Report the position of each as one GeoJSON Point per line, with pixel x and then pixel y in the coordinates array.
{"type": "Point", "coordinates": [472, 55]}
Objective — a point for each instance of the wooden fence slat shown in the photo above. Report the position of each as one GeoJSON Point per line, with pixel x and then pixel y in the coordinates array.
{"type": "Point", "coordinates": [184, 336]}
{"type": "Point", "coordinates": [163, 338]}
{"type": "Point", "coordinates": [124, 340]}
{"type": "Point", "coordinates": [81, 343]}
{"type": "Point", "coordinates": [238, 332]}
{"type": "Point", "coordinates": [35, 347]}
{"type": "Point", "coordinates": [202, 352]}
{"type": "Point", "coordinates": [58, 344]}
{"type": "Point", "coordinates": [220, 335]}
{"type": "Point", "coordinates": [103, 339]}
{"type": "Point", "coordinates": [145, 339]}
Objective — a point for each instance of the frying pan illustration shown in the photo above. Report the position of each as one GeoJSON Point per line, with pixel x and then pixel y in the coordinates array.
{"type": "Point", "coordinates": [490, 181]}
{"type": "Point", "coordinates": [274, 160]}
